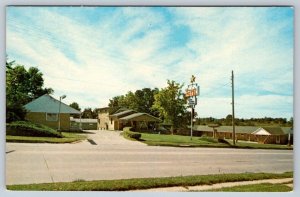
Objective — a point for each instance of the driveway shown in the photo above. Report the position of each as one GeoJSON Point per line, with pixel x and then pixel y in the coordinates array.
{"type": "Point", "coordinates": [109, 156]}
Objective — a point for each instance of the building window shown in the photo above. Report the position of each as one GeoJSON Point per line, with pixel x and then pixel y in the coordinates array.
{"type": "Point", "coordinates": [51, 117]}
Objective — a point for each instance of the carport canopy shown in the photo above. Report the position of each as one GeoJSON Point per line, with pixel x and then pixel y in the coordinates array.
{"type": "Point", "coordinates": [141, 117]}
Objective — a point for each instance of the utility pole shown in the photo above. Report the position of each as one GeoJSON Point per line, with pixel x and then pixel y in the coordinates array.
{"type": "Point", "coordinates": [233, 124]}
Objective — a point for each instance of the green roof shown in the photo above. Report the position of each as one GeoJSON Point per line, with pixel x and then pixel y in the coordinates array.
{"type": "Point", "coordinates": [287, 130]}
{"type": "Point", "coordinates": [135, 115]}
{"type": "Point", "coordinates": [245, 129]}
{"type": "Point", "coordinates": [122, 113]}
{"type": "Point", "coordinates": [274, 130]}
{"type": "Point", "coordinates": [238, 129]}
{"type": "Point", "coordinates": [48, 104]}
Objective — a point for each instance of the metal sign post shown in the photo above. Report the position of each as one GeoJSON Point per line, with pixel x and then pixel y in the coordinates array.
{"type": "Point", "coordinates": [192, 92]}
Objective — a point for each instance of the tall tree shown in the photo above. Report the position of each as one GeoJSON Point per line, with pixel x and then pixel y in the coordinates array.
{"type": "Point", "coordinates": [145, 99]}
{"type": "Point", "coordinates": [75, 106]}
{"type": "Point", "coordinates": [140, 100]}
{"type": "Point", "coordinates": [170, 103]}
{"type": "Point", "coordinates": [22, 86]}
{"type": "Point", "coordinates": [89, 113]}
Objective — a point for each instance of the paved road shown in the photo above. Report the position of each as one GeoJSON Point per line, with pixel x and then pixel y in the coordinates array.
{"type": "Point", "coordinates": [116, 158]}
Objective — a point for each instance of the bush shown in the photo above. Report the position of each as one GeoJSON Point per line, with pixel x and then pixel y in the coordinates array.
{"type": "Point", "coordinates": [127, 129]}
{"type": "Point", "coordinates": [223, 141]}
{"type": "Point", "coordinates": [128, 133]}
{"type": "Point", "coordinates": [24, 128]}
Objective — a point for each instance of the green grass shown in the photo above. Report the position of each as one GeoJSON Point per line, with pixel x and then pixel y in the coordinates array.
{"type": "Point", "coordinates": [178, 140]}
{"type": "Point", "coordinates": [262, 187]}
{"type": "Point", "coordinates": [67, 138]}
{"type": "Point", "coordinates": [185, 141]}
{"type": "Point", "coordinates": [146, 183]}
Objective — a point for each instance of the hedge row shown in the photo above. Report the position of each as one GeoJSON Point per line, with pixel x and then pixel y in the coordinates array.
{"type": "Point", "coordinates": [128, 133]}
{"type": "Point", "coordinates": [24, 128]}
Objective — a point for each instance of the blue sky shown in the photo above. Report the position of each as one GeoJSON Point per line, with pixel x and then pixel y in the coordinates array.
{"type": "Point", "coordinates": [94, 53]}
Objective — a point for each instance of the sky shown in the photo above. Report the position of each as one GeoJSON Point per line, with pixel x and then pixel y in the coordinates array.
{"type": "Point", "coordinates": [92, 54]}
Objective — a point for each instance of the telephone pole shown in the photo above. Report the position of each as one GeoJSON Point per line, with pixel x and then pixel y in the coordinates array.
{"type": "Point", "coordinates": [233, 124]}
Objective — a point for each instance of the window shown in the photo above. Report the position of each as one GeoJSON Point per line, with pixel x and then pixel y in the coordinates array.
{"type": "Point", "coordinates": [51, 117]}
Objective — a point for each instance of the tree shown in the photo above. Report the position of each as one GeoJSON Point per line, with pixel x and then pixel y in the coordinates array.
{"type": "Point", "coordinates": [145, 99]}
{"type": "Point", "coordinates": [22, 86]}
{"type": "Point", "coordinates": [228, 120]}
{"type": "Point", "coordinates": [75, 106]}
{"type": "Point", "coordinates": [140, 100]}
{"type": "Point", "coordinates": [170, 104]}
{"type": "Point", "coordinates": [89, 113]}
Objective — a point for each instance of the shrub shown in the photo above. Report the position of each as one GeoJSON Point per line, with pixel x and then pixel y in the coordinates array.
{"type": "Point", "coordinates": [127, 129]}
{"type": "Point", "coordinates": [24, 128]}
{"type": "Point", "coordinates": [128, 133]}
{"type": "Point", "coordinates": [223, 141]}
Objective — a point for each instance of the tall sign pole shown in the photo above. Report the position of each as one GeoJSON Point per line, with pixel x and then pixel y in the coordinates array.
{"type": "Point", "coordinates": [233, 124]}
{"type": "Point", "coordinates": [191, 93]}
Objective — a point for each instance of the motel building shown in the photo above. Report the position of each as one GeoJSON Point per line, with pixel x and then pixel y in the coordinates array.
{"type": "Point", "coordinates": [117, 120]}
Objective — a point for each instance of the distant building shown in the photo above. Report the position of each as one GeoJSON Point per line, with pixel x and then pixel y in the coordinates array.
{"type": "Point", "coordinates": [125, 117]}
{"type": "Point", "coordinates": [44, 110]}
{"type": "Point", "coordinates": [264, 135]}
{"type": "Point", "coordinates": [84, 124]}
{"type": "Point", "coordinates": [103, 119]}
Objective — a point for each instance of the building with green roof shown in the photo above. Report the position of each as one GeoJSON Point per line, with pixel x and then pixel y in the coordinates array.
{"type": "Point", "coordinates": [264, 134]}
{"type": "Point", "coordinates": [45, 109]}
{"type": "Point", "coordinates": [125, 117]}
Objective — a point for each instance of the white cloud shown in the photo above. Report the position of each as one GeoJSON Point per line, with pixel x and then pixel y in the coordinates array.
{"type": "Point", "coordinates": [128, 50]}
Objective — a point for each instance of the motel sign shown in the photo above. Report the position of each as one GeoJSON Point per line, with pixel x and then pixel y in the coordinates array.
{"type": "Point", "coordinates": [192, 92]}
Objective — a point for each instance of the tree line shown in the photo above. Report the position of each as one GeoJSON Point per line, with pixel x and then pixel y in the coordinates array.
{"type": "Point", "coordinates": [266, 121]}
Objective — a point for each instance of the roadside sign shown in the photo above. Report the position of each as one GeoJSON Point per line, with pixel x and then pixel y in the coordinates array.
{"type": "Point", "coordinates": [192, 92]}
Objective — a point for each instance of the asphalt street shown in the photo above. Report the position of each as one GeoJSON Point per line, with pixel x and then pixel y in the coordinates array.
{"type": "Point", "coordinates": [110, 156]}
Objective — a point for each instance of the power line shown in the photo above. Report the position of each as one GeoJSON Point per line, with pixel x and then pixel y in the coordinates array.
{"type": "Point", "coordinates": [215, 89]}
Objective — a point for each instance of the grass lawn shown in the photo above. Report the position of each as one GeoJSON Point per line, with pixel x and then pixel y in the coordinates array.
{"type": "Point", "coordinates": [68, 138]}
{"type": "Point", "coordinates": [179, 140]}
{"type": "Point", "coordinates": [262, 187]}
{"type": "Point", "coordinates": [146, 183]}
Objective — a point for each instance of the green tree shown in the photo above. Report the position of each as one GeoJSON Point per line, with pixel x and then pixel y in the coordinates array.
{"type": "Point", "coordinates": [22, 86]}
{"type": "Point", "coordinates": [144, 100]}
{"type": "Point", "coordinates": [170, 104]}
{"type": "Point", "coordinates": [89, 113]}
{"type": "Point", "coordinates": [140, 100]}
{"type": "Point", "coordinates": [75, 106]}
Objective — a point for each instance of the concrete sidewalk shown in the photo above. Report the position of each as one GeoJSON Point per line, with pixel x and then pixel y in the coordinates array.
{"type": "Point", "coordinates": [215, 186]}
